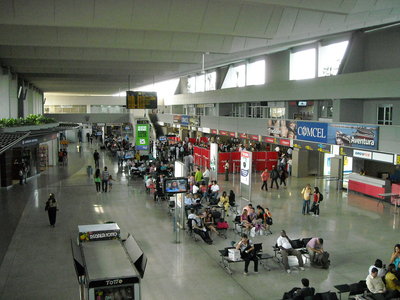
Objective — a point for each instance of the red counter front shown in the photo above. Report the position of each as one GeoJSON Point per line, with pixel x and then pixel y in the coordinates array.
{"type": "Point", "coordinates": [368, 185]}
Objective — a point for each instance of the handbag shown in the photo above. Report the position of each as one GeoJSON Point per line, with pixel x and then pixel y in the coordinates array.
{"type": "Point", "coordinates": [222, 225]}
{"type": "Point", "coordinates": [269, 221]}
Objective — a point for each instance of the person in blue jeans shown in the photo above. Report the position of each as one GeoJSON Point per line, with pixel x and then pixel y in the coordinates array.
{"type": "Point", "coordinates": [306, 192]}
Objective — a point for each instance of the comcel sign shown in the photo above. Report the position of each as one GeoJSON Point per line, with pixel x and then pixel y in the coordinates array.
{"type": "Point", "coordinates": [312, 131]}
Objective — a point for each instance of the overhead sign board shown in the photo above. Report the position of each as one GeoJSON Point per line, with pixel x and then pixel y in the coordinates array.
{"type": "Point", "coordinates": [141, 100]}
{"type": "Point", "coordinates": [383, 157]}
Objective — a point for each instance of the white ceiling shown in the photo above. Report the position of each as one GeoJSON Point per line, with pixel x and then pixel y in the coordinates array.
{"type": "Point", "coordinates": [92, 46]}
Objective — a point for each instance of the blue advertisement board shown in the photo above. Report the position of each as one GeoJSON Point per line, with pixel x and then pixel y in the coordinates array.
{"type": "Point", "coordinates": [185, 120]}
{"type": "Point", "coordinates": [312, 131]}
{"type": "Point", "coordinates": [353, 135]}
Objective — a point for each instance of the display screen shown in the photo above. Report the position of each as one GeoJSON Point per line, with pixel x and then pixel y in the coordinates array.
{"type": "Point", "coordinates": [162, 138]}
{"type": "Point", "coordinates": [301, 103]}
{"type": "Point", "coordinates": [176, 185]}
{"type": "Point", "coordinates": [141, 100]}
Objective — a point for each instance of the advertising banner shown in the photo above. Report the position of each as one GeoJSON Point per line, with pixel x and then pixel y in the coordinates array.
{"type": "Point", "coordinates": [245, 167]}
{"type": "Point", "coordinates": [185, 120]}
{"type": "Point", "coordinates": [213, 160]}
{"type": "Point", "coordinates": [353, 135]}
{"type": "Point", "coordinates": [177, 118]}
{"type": "Point", "coordinates": [142, 137]}
{"type": "Point", "coordinates": [269, 140]}
{"type": "Point", "coordinates": [194, 121]}
{"type": "Point", "coordinates": [281, 128]}
{"type": "Point", "coordinates": [312, 131]}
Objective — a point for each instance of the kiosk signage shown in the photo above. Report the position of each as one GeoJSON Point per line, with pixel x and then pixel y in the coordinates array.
{"type": "Point", "coordinates": [245, 167]}
{"type": "Point", "coordinates": [213, 160]}
{"type": "Point", "coordinates": [142, 137]}
{"type": "Point", "coordinates": [98, 232]}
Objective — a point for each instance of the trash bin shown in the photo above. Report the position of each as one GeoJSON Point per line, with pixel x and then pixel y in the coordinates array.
{"type": "Point", "coordinates": [89, 171]}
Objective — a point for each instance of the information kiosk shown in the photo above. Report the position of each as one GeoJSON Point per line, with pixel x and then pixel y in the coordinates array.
{"type": "Point", "coordinates": [107, 267]}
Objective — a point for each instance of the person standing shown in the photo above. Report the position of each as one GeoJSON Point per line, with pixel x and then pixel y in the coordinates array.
{"type": "Point", "coordinates": [306, 192]}
{"type": "Point", "coordinates": [274, 177]}
{"type": "Point", "coordinates": [264, 178]}
{"type": "Point", "coordinates": [105, 176]}
{"type": "Point", "coordinates": [226, 167]}
{"type": "Point", "coordinates": [198, 176]}
{"type": "Point", "coordinates": [282, 176]}
{"type": "Point", "coordinates": [97, 180]}
{"type": "Point", "coordinates": [316, 200]}
{"type": "Point", "coordinates": [21, 175]}
{"type": "Point", "coordinates": [88, 136]}
{"type": "Point", "coordinates": [289, 165]}
{"type": "Point", "coordinates": [96, 157]}
{"type": "Point", "coordinates": [51, 208]}
{"type": "Point", "coordinates": [206, 176]}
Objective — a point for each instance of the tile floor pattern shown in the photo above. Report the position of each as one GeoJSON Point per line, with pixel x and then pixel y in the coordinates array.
{"type": "Point", "coordinates": [38, 264]}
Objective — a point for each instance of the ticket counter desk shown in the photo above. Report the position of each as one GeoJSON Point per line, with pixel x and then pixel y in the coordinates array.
{"type": "Point", "coordinates": [368, 185]}
{"type": "Point", "coordinates": [108, 269]}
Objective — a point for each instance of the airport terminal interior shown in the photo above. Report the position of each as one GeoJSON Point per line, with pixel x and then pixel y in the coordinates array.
{"type": "Point", "coordinates": [233, 87]}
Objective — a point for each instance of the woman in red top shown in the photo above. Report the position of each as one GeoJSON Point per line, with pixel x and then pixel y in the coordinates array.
{"type": "Point", "coordinates": [264, 178]}
{"type": "Point", "coordinates": [315, 206]}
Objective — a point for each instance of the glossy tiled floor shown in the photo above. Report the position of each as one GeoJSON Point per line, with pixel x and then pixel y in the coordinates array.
{"type": "Point", "coordinates": [38, 264]}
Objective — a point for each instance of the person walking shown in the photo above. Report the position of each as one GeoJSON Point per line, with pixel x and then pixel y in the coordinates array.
{"type": "Point", "coordinates": [51, 208]}
{"type": "Point", "coordinates": [264, 178]}
{"type": "Point", "coordinates": [306, 192]}
{"type": "Point", "coordinates": [274, 177]}
{"type": "Point", "coordinates": [282, 176]}
{"type": "Point", "coordinates": [206, 176]}
{"type": "Point", "coordinates": [97, 180]}
{"type": "Point", "coordinates": [96, 157]}
{"type": "Point", "coordinates": [226, 166]}
{"type": "Point", "coordinates": [105, 176]}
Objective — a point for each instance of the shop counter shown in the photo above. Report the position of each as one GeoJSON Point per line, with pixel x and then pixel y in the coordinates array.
{"type": "Point", "coordinates": [368, 185]}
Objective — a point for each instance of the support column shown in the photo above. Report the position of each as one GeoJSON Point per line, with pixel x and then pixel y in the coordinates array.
{"type": "Point", "coordinates": [300, 163]}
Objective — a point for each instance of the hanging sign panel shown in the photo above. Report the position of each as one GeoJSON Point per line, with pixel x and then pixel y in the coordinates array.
{"type": "Point", "coordinates": [142, 137]}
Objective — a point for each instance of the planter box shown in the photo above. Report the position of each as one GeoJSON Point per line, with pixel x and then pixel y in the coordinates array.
{"type": "Point", "coordinates": [28, 128]}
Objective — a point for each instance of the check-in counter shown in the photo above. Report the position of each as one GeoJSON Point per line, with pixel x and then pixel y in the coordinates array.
{"type": "Point", "coordinates": [368, 185]}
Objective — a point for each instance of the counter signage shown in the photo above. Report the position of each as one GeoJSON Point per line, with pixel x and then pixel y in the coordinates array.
{"type": "Point", "coordinates": [284, 142]}
{"type": "Point", "coordinates": [382, 157]}
{"type": "Point", "coordinates": [98, 235]}
{"type": "Point", "coordinates": [270, 140]}
{"type": "Point", "coordinates": [113, 282]}
{"type": "Point", "coordinates": [223, 132]}
{"type": "Point", "coordinates": [351, 135]}
{"type": "Point", "coordinates": [281, 128]}
{"type": "Point", "coordinates": [254, 137]}
{"type": "Point", "coordinates": [232, 134]}
{"type": "Point", "coordinates": [30, 141]}
{"type": "Point", "coordinates": [320, 147]}
{"type": "Point", "coordinates": [312, 131]}
{"type": "Point", "coordinates": [243, 135]}
{"type": "Point", "coordinates": [214, 131]}
{"type": "Point", "coordinates": [362, 154]}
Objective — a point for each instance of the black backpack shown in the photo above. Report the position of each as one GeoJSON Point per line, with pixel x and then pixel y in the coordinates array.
{"type": "Point", "coordinates": [321, 197]}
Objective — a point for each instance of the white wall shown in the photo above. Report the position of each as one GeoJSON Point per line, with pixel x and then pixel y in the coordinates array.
{"type": "Point", "coordinates": [4, 95]}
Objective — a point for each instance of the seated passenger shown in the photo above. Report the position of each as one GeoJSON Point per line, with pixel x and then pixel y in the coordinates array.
{"type": "Point", "coordinates": [232, 198]}
{"type": "Point", "coordinates": [199, 228]}
{"type": "Point", "coordinates": [381, 268]}
{"type": "Point", "coordinates": [214, 191]}
{"type": "Point", "coordinates": [392, 282]}
{"type": "Point", "coordinates": [195, 188]}
{"type": "Point", "coordinates": [261, 219]}
{"type": "Point", "coordinates": [286, 248]}
{"type": "Point", "coordinates": [224, 201]}
{"type": "Point", "coordinates": [375, 284]}
{"type": "Point", "coordinates": [395, 258]}
{"type": "Point", "coordinates": [245, 221]}
{"type": "Point", "coordinates": [247, 253]}
{"type": "Point", "coordinates": [209, 222]}
{"type": "Point", "coordinates": [300, 293]}
{"type": "Point", "coordinates": [315, 249]}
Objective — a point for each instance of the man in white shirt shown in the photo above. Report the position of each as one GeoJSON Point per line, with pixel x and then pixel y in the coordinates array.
{"type": "Point", "coordinates": [283, 243]}
{"type": "Point", "coordinates": [206, 176]}
{"type": "Point", "coordinates": [374, 283]}
{"type": "Point", "coordinates": [195, 188]}
{"type": "Point", "coordinates": [214, 190]}
{"type": "Point", "coordinates": [226, 167]}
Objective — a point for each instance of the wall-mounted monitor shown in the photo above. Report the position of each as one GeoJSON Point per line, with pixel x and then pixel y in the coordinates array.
{"type": "Point", "coordinates": [301, 103]}
{"type": "Point", "coordinates": [176, 185]}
